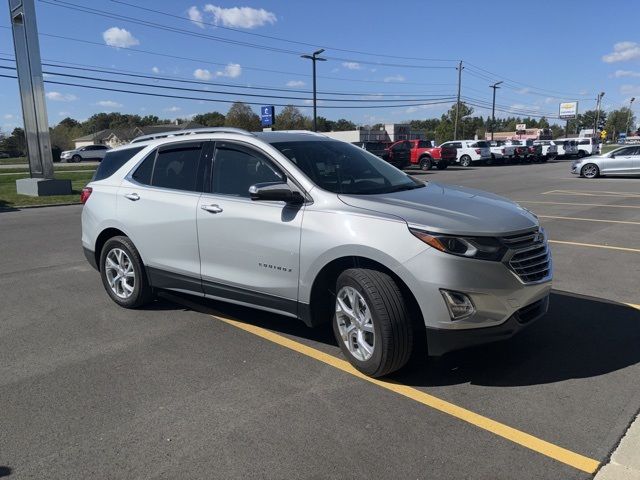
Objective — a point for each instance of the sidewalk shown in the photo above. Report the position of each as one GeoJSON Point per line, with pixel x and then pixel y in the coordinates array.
{"type": "Point", "coordinates": [625, 460]}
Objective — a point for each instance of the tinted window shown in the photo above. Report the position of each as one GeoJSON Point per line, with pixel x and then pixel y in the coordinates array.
{"type": "Point", "coordinates": [143, 172]}
{"type": "Point", "coordinates": [343, 168]}
{"type": "Point", "coordinates": [113, 161]}
{"type": "Point", "coordinates": [424, 144]}
{"type": "Point", "coordinates": [482, 144]}
{"type": "Point", "coordinates": [234, 171]}
{"type": "Point", "coordinates": [584, 142]}
{"type": "Point", "coordinates": [177, 167]}
{"type": "Point", "coordinates": [624, 151]}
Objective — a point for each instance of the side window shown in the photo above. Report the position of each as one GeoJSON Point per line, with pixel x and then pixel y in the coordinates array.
{"type": "Point", "coordinates": [176, 167]}
{"type": "Point", "coordinates": [145, 169]}
{"type": "Point", "coordinates": [235, 170]}
{"type": "Point", "coordinates": [457, 144]}
{"type": "Point", "coordinates": [113, 161]}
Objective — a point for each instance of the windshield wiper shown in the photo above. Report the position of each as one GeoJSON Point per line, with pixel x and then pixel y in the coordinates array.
{"type": "Point", "coordinates": [411, 186]}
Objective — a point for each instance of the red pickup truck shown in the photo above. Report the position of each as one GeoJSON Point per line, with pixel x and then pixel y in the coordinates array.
{"type": "Point", "coordinates": [423, 153]}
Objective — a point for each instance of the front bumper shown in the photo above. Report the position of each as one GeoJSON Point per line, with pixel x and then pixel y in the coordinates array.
{"type": "Point", "coordinates": [441, 341]}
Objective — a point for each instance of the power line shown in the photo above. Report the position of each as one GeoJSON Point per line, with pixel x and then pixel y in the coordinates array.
{"type": "Point", "coordinates": [183, 97]}
{"type": "Point", "coordinates": [281, 39]}
{"type": "Point", "coordinates": [134, 74]}
{"type": "Point", "coordinates": [159, 26]}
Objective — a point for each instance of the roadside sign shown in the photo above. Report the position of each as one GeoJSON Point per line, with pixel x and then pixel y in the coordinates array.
{"type": "Point", "coordinates": [267, 115]}
{"type": "Point", "coordinates": [521, 126]}
{"type": "Point", "coordinates": [603, 134]}
{"type": "Point", "coordinates": [568, 110]}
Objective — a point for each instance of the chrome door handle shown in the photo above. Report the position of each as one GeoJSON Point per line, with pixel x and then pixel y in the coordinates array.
{"type": "Point", "coordinates": [133, 196]}
{"type": "Point", "coordinates": [211, 208]}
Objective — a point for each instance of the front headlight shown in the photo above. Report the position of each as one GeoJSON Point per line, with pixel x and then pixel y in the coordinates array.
{"type": "Point", "coordinates": [481, 248]}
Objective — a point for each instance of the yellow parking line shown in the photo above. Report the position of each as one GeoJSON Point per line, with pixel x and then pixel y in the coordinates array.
{"type": "Point", "coordinates": [594, 245]}
{"type": "Point", "coordinates": [589, 219]}
{"type": "Point", "coordinates": [526, 440]}
{"type": "Point", "coordinates": [579, 204]}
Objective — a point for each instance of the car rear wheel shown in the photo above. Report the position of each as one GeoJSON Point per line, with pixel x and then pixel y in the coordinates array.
{"type": "Point", "coordinates": [123, 273]}
{"type": "Point", "coordinates": [425, 163]}
{"type": "Point", "coordinates": [581, 154]}
{"type": "Point", "coordinates": [590, 170]}
{"type": "Point", "coordinates": [371, 322]}
{"type": "Point", "coordinates": [465, 161]}
{"type": "Point", "coordinates": [76, 159]}
{"type": "Point", "coordinates": [442, 165]}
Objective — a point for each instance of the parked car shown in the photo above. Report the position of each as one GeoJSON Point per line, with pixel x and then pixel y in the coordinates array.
{"type": "Point", "coordinates": [621, 161]}
{"type": "Point", "coordinates": [515, 150]}
{"type": "Point", "coordinates": [588, 146]}
{"type": "Point", "coordinates": [4, 155]}
{"type": "Point", "coordinates": [567, 147]}
{"type": "Point", "coordinates": [549, 150]}
{"type": "Point", "coordinates": [469, 151]}
{"type": "Point", "coordinates": [426, 155]}
{"type": "Point", "coordinates": [320, 230]}
{"type": "Point", "coordinates": [497, 151]}
{"type": "Point", "coordinates": [89, 152]}
{"type": "Point", "coordinates": [398, 154]}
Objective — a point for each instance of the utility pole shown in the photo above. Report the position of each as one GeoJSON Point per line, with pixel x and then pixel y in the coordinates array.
{"type": "Point", "coordinates": [597, 119]}
{"type": "Point", "coordinates": [455, 125]}
{"type": "Point", "coordinates": [629, 116]}
{"type": "Point", "coordinates": [315, 58]}
{"type": "Point", "coordinates": [493, 107]}
{"type": "Point", "coordinates": [34, 111]}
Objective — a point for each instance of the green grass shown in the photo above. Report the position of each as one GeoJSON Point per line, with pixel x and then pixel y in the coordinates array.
{"type": "Point", "coordinates": [11, 161]}
{"type": "Point", "coordinates": [56, 168]}
{"type": "Point", "coordinates": [607, 148]}
{"type": "Point", "coordinates": [9, 198]}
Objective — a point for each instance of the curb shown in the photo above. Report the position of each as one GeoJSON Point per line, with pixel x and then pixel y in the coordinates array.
{"type": "Point", "coordinates": [24, 207]}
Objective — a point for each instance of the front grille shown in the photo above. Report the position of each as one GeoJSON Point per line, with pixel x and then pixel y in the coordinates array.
{"type": "Point", "coordinates": [531, 260]}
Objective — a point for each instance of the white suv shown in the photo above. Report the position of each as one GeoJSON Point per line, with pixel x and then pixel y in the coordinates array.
{"type": "Point", "coordinates": [320, 230]}
{"type": "Point", "coordinates": [470, 151]}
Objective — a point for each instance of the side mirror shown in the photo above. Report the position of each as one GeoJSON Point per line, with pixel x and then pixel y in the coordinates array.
{"type": "Point", "coordinates": [275, 192]}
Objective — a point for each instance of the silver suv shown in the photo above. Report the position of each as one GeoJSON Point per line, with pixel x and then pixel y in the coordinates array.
{"type": "Point", "coordinates": [320, 230]}
{"type": "Point", "coordinates": [88, 152]}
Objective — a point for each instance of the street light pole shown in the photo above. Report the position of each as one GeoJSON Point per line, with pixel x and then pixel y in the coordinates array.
{"type": "Point", "coordinates": [629, 116]}
{"type": "Point", "coordinates": [493, 107]}
{"type": "Point", "coordinates": [315, 58]}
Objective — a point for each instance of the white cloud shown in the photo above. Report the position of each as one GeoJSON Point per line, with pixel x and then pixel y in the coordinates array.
{"type": "Point", "coordinates": [202, 74]}
{"type": "Point", "coordinates": [119, 37]}
{"type": "Point", "coordinates": [351, 65]}
{"type": "Point", "coordinates": [549, 100]}
{"type": "Point", "coordinates": [61, 97]}
{"type": "Point", "coordinates": [232, 70]}
{"type": "Point", "coordinates": [411, 110]}
{"type": "Point", "coordinates": [172, 109]}
{"type": "Point", "coordinates": [295, 83]}
{"type": "Point", "coordinates": [625, 73]}
{"type": "Point", "coordinates": [109, 104]}
{"type": "Point", "coordinates": [622, 52]}
{"type": "Point", "coordinates": [64, 114]}
{"type": "Point", "coordinates": [242, 17]}
{"type": "Point", "coordinates": [195, 16]}
{"type": "Point", "coordinates": [523, 91]}
{"type": "Point", "coordinates": [8, 116]}
{"type": "Point", "coordinates": [522, 106]}
{"type": "Point", "coordinates": [630, 89]}
{"type": "Point", "coordinates": [155, 70]}
{"type": "Point", "coordinates": [394, 78]}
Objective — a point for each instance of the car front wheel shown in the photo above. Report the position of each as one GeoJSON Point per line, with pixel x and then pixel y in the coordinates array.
{"type": "Point", "coordinates": [590, 170]}
{"type": "Point", "coordinates": [371, 322]}
{"type": "Point", "coordinates": [123, 273]}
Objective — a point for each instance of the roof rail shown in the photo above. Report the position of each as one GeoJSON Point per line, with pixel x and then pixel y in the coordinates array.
{"type": "Point", "coordinates": [190, 131]}
{"type": "Point", "coordinates": [308, 132]}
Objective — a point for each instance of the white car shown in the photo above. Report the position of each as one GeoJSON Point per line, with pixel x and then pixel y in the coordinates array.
{"type": "Point", "coordinates": [621, 161]}
{"type": "Point", "coordinates": [95, 152]}
{"type": "Point", "coordinates": [567, 147]}
{"type": "Point", "coordinates": [469, 151]}
{"type": "Point", "coordinates": [588, 146]}
{"type": "Point", "coordinates": [549, 149]}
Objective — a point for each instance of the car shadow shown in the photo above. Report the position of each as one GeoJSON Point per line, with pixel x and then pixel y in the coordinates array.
{"type": "Point", "coordinates": [580, 337]}
{"type": "Point", "coordinates": [5, 471]}
{"type": "Point", "coordinates": [6, 207]}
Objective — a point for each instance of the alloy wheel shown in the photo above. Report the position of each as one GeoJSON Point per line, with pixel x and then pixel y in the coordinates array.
{"type": "Point", "coordinates": [355, 323]}
{"type": "Point", "coordinates": [120, 273]}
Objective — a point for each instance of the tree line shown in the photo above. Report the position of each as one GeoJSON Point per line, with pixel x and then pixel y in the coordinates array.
{"type": "Point", "coordinates": [241, 115]}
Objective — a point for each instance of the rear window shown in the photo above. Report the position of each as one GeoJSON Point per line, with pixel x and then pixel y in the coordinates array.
{"type": "Point", "coordinates": [481, 145]}
{"type": "Point", "coordinates": [112, 161]}
{"type": "Point", "coordinates": [424, 144]}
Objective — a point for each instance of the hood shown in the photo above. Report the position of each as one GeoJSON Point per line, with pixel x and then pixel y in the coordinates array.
{"type": "Point", "coordinates": [449, 209]}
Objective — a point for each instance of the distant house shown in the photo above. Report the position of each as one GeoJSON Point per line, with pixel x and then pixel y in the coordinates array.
{"type": "Point", "coordinates": [121, 136]}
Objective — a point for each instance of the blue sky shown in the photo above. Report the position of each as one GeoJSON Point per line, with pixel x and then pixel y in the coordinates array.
{"type": "Point", "coordinates": [545, 51]}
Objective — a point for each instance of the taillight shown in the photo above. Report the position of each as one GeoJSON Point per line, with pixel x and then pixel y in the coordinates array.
{"type": "Point", "coordinates": [85, 194]}
{"type": "Point", "coordinates": [478, 151]}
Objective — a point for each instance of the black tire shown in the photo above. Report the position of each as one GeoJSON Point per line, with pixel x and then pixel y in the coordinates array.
{"type": "Point", "coordinates": [581, 154]}
{"type": "Point", "coordinates": [465, 161]}
{"type": "Point", "coordinates": [391, 320]}
{"type": "Point", "coordinates": [590, 170]}
{"type": "Point", "coordinates": [442, 165]}
{"type": "Point", "coordinates": [425, 163]}
{"type": "Point", "coordinates": [142, 291]}
{"type": "Point", "coordinates": [76, 159]}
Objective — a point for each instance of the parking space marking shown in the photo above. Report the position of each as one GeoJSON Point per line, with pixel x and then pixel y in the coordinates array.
{"type": "Point", "coordinates": [578, 204]}
{"type": "Point", "coordinates": [526, 440]}
{"type": "Point", "coordinates": [595, 245]}
{"type": "Point", "coordinates": [555, 217]}
{"type": "Point", "coordinates": [592, 194]}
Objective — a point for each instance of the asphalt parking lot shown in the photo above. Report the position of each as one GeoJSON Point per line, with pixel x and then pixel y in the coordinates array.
{"type": "Point", "coordinates": [194, 389]}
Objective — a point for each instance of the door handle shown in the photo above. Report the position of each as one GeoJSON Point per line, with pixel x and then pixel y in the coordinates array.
{"type": "Point", "coordinates": [133, 196]}
{"type": "Point", "coordinates": [211, 208]}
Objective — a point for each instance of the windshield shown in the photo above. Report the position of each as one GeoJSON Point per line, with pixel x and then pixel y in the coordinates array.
{"type": "Point", "coordinates": [344, 168]}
